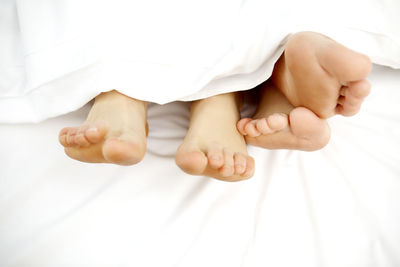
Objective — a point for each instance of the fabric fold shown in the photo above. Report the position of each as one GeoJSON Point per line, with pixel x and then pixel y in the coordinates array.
{"type": "Point", "coordinates": [58, 55]}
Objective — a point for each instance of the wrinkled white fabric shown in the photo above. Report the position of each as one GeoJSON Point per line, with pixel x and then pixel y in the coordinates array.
{"type": "Point", "coordinates": [56, 55]}
{"type": "Point", "coordinates": [335, 207]}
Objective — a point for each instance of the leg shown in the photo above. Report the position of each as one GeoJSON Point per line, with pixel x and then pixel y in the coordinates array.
{"type": "Point", "coordinates": [213, 146]}
{"type": "Point", "coordinates": [322, 75]}
{"type": "Point", "coordinates": [278, 125]}
{"type": "Point", "coordinates": [114, 132]}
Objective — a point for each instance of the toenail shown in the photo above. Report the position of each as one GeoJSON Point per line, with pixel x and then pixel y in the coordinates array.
{"type": "Point", "coordinates": [280, 115]}
{"type": "Point", "coordinates": [240, 167]}
{"type": "Point", "coordinates": [93, 129]}
{"type": "Point", "coordinates": [80, 136]}
{"type": "Point", "coordinates": [216, 158]}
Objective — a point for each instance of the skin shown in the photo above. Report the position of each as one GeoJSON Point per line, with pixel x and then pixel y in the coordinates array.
{"type": "Point", "coordinates": [314, 79]}
{"type": "Point", "coordinates": [322, 75]}
{"type": "Point", "coordinates": [213, 146]}
{"type": "Point", "coordinates": [278, 125]}
{"type": "Point", "coordinates": [114, 132]}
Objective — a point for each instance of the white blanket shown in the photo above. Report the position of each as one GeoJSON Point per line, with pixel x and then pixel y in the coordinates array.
{"type": "Point", "coordinates": [56, 55]}
{"type": "Point", "coordinates": [334, 207]}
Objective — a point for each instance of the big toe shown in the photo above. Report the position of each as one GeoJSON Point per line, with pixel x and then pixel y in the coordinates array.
{"type": "Point", "coordinates": [191, 161]}
{"type": "Point", "coordinates": [312, 132]}
{"type": "Point", "coordinates": [216, 162]}
{"type": "Point", "coordinates": [127, 149]}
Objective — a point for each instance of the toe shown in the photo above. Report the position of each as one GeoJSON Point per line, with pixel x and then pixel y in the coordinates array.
{"type": "Point", "coordinates": [239, 163]}
{"type": "Point", "coordinates": [251, 129]}
{"type": "Point", "coordinates": [215, 157]}
{"type": "Point", "coordinates": [309, 131]}
{"type": "Point", "coordinates": [71, 137]}
{"type": "Point", "coordinates": [228, 168]}
{"type": "Point", "coordinates": [278, 121]}
{"type": "Point", "coordinates": [347, 108]}
{"type": "Point", "coordinates": [262, 126]}
{"type": "Point", "coordinates": [95, 133]}
{"type": "Point", "coordinates": [257, 127]}
{"type": "Point", "coordinates": [242, 124]}
{"type": "Point", "coordinates": [81, 140]}
{"type": "Point", "coordinates": [348, 105]}
{"type": "Point", "coordinates": [191, 162]}
{"type": "Point", "coordinates": [359, 90]}
{"type": "Point", "coordinates": [352, 96]}
{"type": "Point", "coordinates": [62, 136]}
{"type": "Point", "coordinates": [127, 149]}
{"type": "Point", "coordinates": [249, 172]}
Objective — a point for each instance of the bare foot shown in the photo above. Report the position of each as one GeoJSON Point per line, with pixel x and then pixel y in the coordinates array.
{"type": "Point", "coordinates": [278, 125]}
{"type": "Point", "coordinates": [114, 132]}
{"type": "Point", "coordinates": [322, 75]}
{"type": "Point", "coordinates": [213, 146]}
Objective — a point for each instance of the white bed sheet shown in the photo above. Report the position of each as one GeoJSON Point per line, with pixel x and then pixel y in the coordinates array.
{"type": "Point", "coordinates": [334, 207]}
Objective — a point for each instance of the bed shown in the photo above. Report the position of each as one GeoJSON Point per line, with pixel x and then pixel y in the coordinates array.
{"type": "Point", "coordinates": [338, 206]}
{"type": "Point", "coordinates": [335, 207]}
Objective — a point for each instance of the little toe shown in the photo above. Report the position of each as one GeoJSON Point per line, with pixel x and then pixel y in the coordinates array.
{"type": "Point", "coordinates": [347, 109]}
{"type": "Point", "coordinates": [228, 168]}
{"type": "Point", "coordinates": [249, 172]}
{"type": "Point", "coordinates": [63, 140]}
{"type": "Point", "coordinates": [215, 157]}
{"type": "Point", "coordinates": [240, 163]}
{"type": "Point", "coordinates": [71, 137]}
{"type": "Point", "coordinates": [64, 131]}
{"type": "Point", "coordinates": [62, 137]}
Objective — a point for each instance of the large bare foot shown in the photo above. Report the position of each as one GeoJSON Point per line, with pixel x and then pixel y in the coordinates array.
{"type": "Point", "coordinates": [278, 125]}
{"type": "Point", "coordinates": [213, 146]}
{"type": "Point", "coordinates": [114, 132]}
{"type": "Point", "coordinates": [318, 73]}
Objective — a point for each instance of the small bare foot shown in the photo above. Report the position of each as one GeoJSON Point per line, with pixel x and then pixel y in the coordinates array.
{"type": "Point", "coordinates": [278, 125]}
{"type": "Point", "coordinates": [114, 132]}
{"type": "Point", "coordinates": [213, 146]}
{"type": "Point", "coordinates": [322, 75]}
